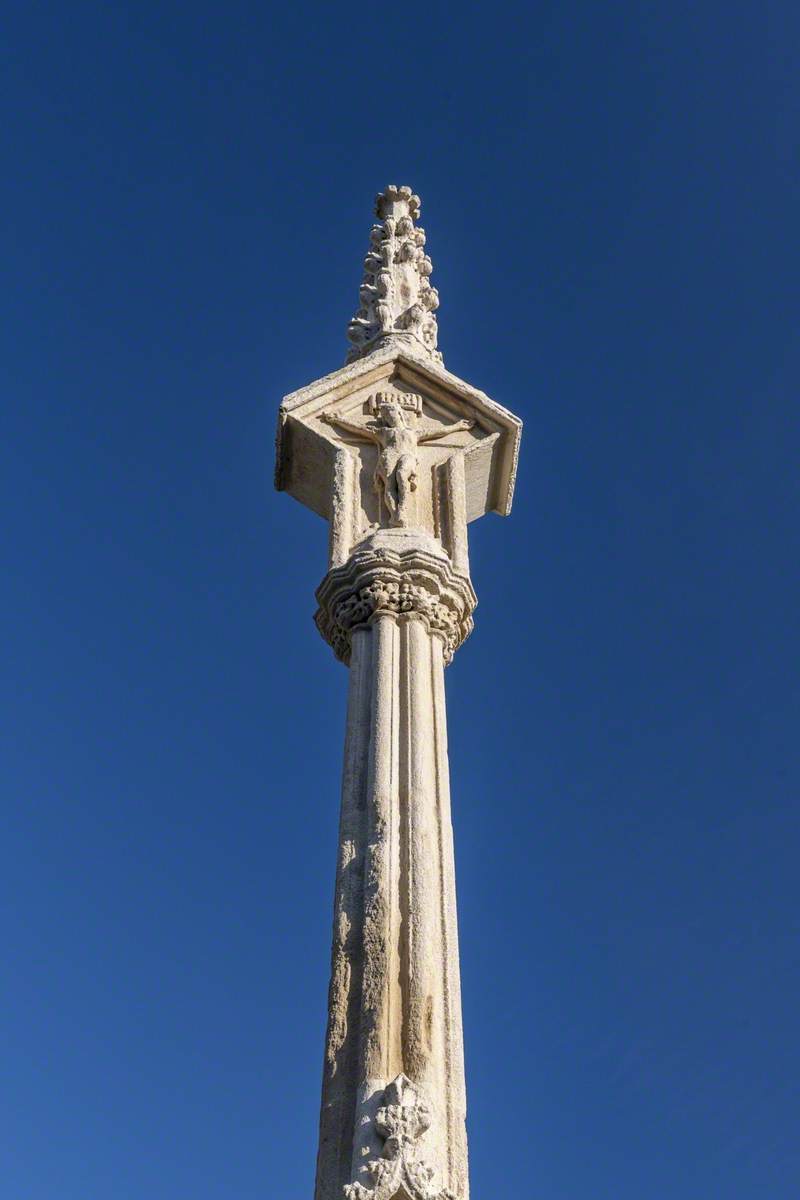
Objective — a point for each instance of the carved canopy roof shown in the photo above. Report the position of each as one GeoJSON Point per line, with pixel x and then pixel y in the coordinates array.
{"type": "Point", "coordinates": [307, 446]}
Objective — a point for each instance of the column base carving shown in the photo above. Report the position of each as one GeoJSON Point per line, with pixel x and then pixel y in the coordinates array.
{"type": "Point", "coordinates": [399, 1174]}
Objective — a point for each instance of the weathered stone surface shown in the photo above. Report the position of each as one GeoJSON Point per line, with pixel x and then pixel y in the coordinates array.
{"type": "Point", "coordinates": [394, 999]}
{"type": "Point", "coordinates": [332, 472]}
{"type": "Point", "coordinates": [398, 455]}
{"type": "Point", "coordinates": [397, 301]}
{"type": "Point", "coordinates": [405, 1117]}
{"type": "Point", "coordinates": [400, 573]}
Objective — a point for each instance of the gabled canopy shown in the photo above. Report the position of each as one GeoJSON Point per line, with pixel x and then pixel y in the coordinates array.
{"type": "Point", "coordinates": [306, 445]}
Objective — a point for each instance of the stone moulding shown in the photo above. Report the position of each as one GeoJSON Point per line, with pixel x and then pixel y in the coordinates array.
{"type": "Point", "coordinates": [400, 1174]}
{"type": "Point", "coordinates": [406, 582]}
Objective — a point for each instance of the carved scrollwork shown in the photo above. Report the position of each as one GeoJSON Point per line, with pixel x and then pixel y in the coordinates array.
{"type": "Point", "coordinates": [410, 583]}
{"type": "Point", "coordinates": [396, 296]}
{"type": "Point", "coordinates": [388, 596]}
{"type": "Point", "coordinates": [399, 1174]}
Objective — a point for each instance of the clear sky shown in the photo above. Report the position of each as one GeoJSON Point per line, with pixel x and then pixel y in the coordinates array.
{"type": "Point", "coordinates": [610, 193]}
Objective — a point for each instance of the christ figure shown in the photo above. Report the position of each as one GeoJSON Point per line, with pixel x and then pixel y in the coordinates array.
{"type": "Point", "coordinates": [398, 439]}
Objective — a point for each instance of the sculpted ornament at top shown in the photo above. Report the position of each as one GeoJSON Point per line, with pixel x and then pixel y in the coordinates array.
{"type": "Point", "coordinates": [397, 300]}
{"type": "Point", "coordinates": [398, 437]}
{"type": "Point", "coordinates": [364, 449]}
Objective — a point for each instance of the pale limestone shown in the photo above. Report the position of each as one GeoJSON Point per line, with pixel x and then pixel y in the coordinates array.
{"type": "Point", "coordinates": [398, 455]}
{"type": "Point", "coordinates": [397, 301]}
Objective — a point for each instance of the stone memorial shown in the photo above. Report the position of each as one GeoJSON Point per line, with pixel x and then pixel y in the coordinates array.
{"type": "Point", "coordinates": [398, 455]}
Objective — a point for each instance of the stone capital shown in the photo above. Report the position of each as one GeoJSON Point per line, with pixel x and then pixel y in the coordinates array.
{"type": "Point", "coordinates": [403, 574]}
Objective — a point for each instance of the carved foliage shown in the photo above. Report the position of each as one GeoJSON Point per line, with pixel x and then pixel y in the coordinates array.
{"type": "Point", "coordinates": [399, 1174]}
{"type": "Point", "coordinates": [389, 596]}
{"type": "Point", "coordinates": [399, 585]}
{"type": "Point", "coordinates": [396, 297]}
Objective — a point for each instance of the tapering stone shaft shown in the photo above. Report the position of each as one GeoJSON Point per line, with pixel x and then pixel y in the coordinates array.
{"type": "Point", "coordinates": [395, 993]}
{"type": "Point", "coordinates": [399, 456]}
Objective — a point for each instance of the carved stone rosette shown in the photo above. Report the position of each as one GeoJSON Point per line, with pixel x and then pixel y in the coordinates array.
{"type": "Point", "coordinates": [415, 579]}
{"type": "Point", "coordinates": [399, 1172]}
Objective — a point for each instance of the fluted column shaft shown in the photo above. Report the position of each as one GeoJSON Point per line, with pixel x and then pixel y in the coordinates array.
{"type": "Point", "coordinates": [394, 1042]}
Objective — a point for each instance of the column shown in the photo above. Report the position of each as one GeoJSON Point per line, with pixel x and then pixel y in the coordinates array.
{"type": "Point", "coordinates": [393, 1101]}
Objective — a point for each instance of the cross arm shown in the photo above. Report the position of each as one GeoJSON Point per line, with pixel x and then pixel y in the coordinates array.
{"type": "Point", "coordinates": [441, 431]}
{"type": "Point", "coordinates": [361, 431]}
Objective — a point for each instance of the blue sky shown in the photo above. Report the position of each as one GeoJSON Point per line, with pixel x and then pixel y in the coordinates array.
{"type": "Point", "coordinates": [611, 196]}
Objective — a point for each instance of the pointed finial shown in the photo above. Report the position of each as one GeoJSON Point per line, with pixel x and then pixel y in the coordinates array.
{"type": "Point", "coordinates": [397, 300]}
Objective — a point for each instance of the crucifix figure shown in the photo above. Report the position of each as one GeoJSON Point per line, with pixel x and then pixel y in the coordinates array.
{"type": "Point", "coordinates": [398, 439]}
{"type": "Point", "coordinates": [395, 605]}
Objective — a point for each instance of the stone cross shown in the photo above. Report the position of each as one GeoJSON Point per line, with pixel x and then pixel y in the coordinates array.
{"type": "Point", "coordinates": [398, 455]}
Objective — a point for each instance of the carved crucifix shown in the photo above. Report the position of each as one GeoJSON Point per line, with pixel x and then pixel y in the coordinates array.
{"type": "Point", "coordinates": [395, 605]}
{"type": "Point", "coordinates": [398, 437]}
